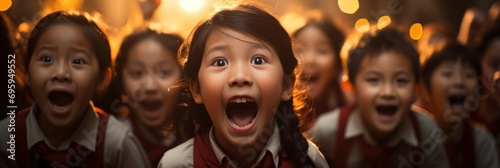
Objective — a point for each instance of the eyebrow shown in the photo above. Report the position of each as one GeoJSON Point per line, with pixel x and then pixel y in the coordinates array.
{"type": "Point", "coordinates": [47, 47]}
{"type": "Point", "coordinates": [80, 50]}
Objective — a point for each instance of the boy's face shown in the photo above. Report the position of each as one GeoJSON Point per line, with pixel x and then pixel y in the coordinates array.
{"type": "Point", "coordinates": [451, 83]}
{"type": "Point", "coordinates": [490, 63]}
{"type": "Point", "coordinates": [63, 74]}
{"type": "Point", "coordinates": [384, 89]}
{"type": "Point", "coordinates": [319, 61]}
{"type": "Point", "coordinates": [241, 85]}
{"type": "Point", "coordinates": [149, 76]}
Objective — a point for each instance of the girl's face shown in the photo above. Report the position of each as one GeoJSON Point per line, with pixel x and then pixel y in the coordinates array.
{"type": "Point", "coordinates": [451, 83]}
{"type": "Point", "coordinates": [319, 61]}
{"type": "Point", "coordinates": [149, 74]}
{"type": "Point", "coordinates": [240, 82]}
{"type": "Point", "coordinates": [490, 63]}
{"type": "Point", "coordinates": [384, 90]}
{"type": "Point", "coordinates": [63, 74]}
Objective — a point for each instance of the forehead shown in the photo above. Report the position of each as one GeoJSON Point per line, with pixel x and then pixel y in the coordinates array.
{"type": "Point", "coordinates": [222, 36]}
{"type": "Point", "coordinates": [311, 34]}
{"type": "Point", "coordinates": [65, 33]}
{"type": "Point", "coordinates": [386, 61]}
{"type": "Point", "coordinates": [150, 51]}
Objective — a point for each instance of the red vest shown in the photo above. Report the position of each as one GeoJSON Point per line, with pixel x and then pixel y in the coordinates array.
{"type": "Point", "coordinates": [204, 156]}
{"type": "Point", "coordinates": [378, 156]}
{"type": "Point", "coordinates": [155, 151]}
{"type": "Point", "coordinates": [25, 157]}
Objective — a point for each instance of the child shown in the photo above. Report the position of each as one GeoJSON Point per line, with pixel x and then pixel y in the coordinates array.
{"type": "Point", "coordinates": [319, 43]}
{"type": "Point", "coordinates": [487, 46]}
{"type": "Point", "coordinates": [147, 74]}
{"type": "Point", "coordinates": [240, 67]}
{"type": "Point", "coordinates": [379, 130]}
{"type": "Point", "coordinates": [68, 59]}
{"type": "Point", "coordinates": [450, 79]}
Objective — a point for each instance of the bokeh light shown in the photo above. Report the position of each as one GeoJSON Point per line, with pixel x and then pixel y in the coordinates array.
{"type": "Point", "coordinates": [416, 31]}
{"type": "Point", "coordinates": [191, 5]}
{"type": "Point", "coordinates": [362, 25]}
{"type": "Point", "coordinates": [383, 21]}
{"type": "Point", "coordinates": [348, 6]}
{"type": "Point", "coordinates": [5, 4]}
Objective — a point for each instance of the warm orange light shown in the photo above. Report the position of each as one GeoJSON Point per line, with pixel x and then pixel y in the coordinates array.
{"type": "Point", "coordinates": [383, 22]}
{"type": "Point", "coordinates": [416, 31]}
{"type": "Point", "coordinates": [191, 5]}
{"type": "Point", "coordinates": [348, 6]}
{"type": "Point", "coordinates": [362, 25]}
{"type": "Point", "coordinates": [5, 4]}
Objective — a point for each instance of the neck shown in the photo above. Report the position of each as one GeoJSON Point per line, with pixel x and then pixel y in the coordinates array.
{"type": "Point", "coordinates": [55, 134]}
{"type": "Point", "coordinates": [151, 134]}
{"type": "Point", "coordinates": [327, 102]}
{"type": "Point", "coordinates": [245, 159]}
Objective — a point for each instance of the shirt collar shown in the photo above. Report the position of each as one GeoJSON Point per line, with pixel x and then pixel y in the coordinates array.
{"type": "Point", "coordinates": [273, 146]}
{"type": "Point", "coordinates": [84, 135]}
{"type": "Point", "coordinates": [405, 132]}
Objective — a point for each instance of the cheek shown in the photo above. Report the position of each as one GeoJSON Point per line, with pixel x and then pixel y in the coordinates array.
{"type": "Point", "coordinates": [130, 86]}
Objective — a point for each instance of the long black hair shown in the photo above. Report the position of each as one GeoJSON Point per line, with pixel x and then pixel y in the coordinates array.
{"type": "Point", "coordinates": [262, 25]}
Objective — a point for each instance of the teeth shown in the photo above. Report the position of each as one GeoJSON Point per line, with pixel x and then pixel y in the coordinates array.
{"type": "Point", "coordinates": [240, 100]}
{"type": "Point", "coordinates": [232, 123]}
{"type": "Point", "coordinates": [59, 107]}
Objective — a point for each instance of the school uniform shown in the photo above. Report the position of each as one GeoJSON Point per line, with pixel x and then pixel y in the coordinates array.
{"type": "Point", "coordinates": [203, 151]}
{"type": "Point", "coordinates": [470, 146]}
{"type": "Point", "coordinates": [345, 142]}
{"type": "Point", "coordinates": [155, 148]}
{"type": "Point", "coordinates": [99, 141]}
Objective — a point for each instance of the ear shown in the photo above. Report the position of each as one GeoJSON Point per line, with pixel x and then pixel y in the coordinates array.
{"type": "Point", "coordinates": [194, 87]}
{"type": "Point", "coordinates": [286, 93]}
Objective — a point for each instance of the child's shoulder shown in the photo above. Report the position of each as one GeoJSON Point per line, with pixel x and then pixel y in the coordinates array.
{"type": "Point", "coordinates": [425, 122]}
{"type": "Point", "coordinates": [180, 156]}
{"type": "Point", "coordinates": [116, 131]}
{"type": "Point", "coordinates": [327, 122]}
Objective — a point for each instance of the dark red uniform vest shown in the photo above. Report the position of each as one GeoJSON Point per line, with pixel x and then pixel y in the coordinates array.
{"type": "Point", "coordinates": [204, 156]}
{"type": "Point", "coordinates": [26, 158]}
{"type": "Point", "coordinates": [377, 156]}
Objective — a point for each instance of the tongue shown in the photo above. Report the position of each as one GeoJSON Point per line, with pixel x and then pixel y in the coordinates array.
{"type": "Point", "coordinates": [241, 117]}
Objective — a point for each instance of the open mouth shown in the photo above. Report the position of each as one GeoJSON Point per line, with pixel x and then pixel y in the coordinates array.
{"type": "Point", "coordinates": [61, 100]}
{"type": "Point", "coordinates": [386, 110]}
{"type": "Point", "coordinates": [456, 102]}
{"type": "Point", "coordinates": [151, 105]}
{"type": "Point", "coordinates": [241, 112]}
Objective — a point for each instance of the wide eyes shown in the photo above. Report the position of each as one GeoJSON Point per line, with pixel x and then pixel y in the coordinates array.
{"type": "Point", "coordinates": [220, 62]}
{"type": "Point", "coordinates": [258, 60]}
{"type": "Point", "coordinates": [47, 59]}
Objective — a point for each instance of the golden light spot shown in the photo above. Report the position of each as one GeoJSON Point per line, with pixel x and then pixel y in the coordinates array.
{"type": "Point", "coordinates": [191, 5]}
{"type": "Point", "coordinates": [362, 25]}
{"type": "Point", "coordinates": [416, 31]}
{"type": "Point", "coordinates": [383, 22]}
{"type": "Point", "coordinates": [348, 6]}
{"type": "Point", "coordinates": [5, 4]}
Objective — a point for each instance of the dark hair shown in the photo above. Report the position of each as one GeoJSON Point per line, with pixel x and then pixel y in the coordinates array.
{"type": "Point", "coordinates": [374, 42]}
{"type": "Point", "coordinates": [446, 51]}
{"type": "Point", "coordinates": [96, 37]}
{"type": "Point", "coordinates": [181, 126]}
{"type": "Point", "coordinates": [486, 36]}
{"type": "Point", "coordinates": [262, 25]}
{"type": "Point", "coordinates": [333, 34]}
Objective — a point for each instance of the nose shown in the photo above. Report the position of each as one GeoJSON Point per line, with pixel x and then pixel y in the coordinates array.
{"type": "Point", "coordinates": [150, 84]}
{"type": "Point", "coordinates": [62, 72]}
{"type": "Point", "coordinates": [387, 92]}
{"type": "Point", "coordinates": [240, 76]}
{"type": "Point", "coordinates": [458, 80]}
